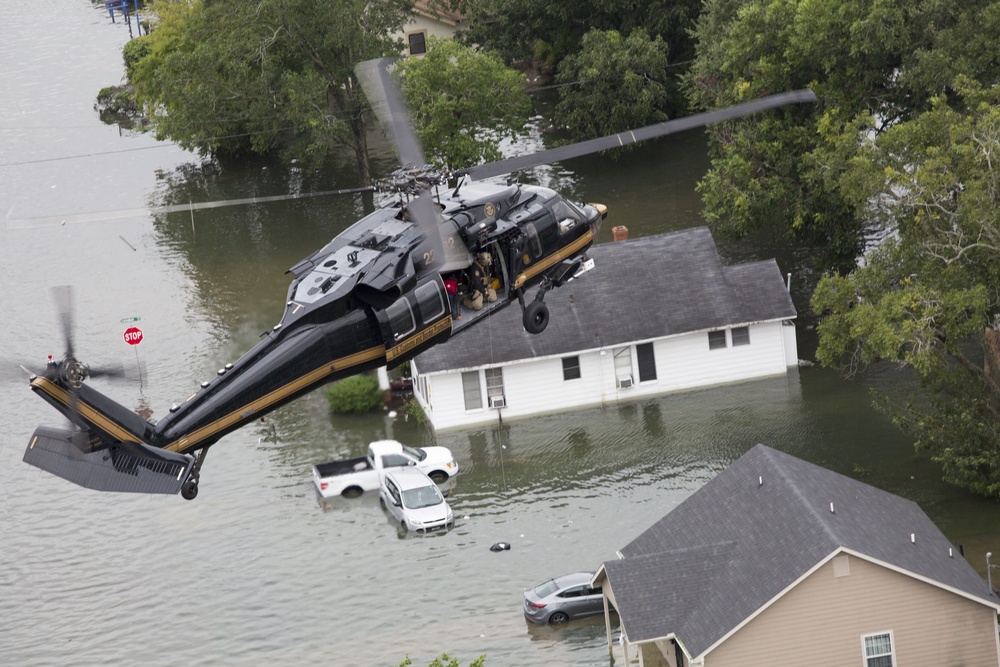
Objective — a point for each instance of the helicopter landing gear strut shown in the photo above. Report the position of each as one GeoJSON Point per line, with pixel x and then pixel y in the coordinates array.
{"type": "Point", "coordinates": [535, 315]}
{"type": "Point", "coordinates": [190, 489]}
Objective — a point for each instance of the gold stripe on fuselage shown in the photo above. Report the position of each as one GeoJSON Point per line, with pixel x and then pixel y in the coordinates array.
{"type": "Point", "coordinates": [273, 397]}
{"type": "Point", "coordinates": [549, 261]}
{"type": "Point", "coordinates": [418, 339]}
{"type": "Point", "coordinates": [86, 411]}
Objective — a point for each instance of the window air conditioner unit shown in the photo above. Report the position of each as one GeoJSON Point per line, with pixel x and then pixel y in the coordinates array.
{"type": "Point", "coordinates": [498, 402]}
{"type": "Point", "coordinates": [625, 382]}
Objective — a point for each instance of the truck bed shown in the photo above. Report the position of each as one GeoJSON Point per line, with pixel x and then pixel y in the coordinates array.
{"type": "Point", "coordinates": [333, 468]}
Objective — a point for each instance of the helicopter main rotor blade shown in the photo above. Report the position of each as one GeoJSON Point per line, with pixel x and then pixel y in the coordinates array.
{"type": "Point", "coordinates": [625, 138]}
{"type": "Point", "coordinates": [389, 108]}
{"type": "Point", "coordinates": [63, 297]}
{"type": "Point", "coordinates": [18, 223]}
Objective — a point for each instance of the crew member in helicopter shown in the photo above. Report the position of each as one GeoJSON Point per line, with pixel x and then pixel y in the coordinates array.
{"type": "Point", "coordinates": [479, 281]}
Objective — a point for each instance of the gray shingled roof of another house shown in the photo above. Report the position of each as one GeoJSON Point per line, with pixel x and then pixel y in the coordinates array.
{"type": "Point", "coordinates": [752, 531]}
{"type": "Point", "coordinates": [640, 289]}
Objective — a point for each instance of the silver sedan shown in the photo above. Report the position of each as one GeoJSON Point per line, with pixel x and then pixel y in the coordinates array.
{"type": "Point", "coordinates": [563, 598]}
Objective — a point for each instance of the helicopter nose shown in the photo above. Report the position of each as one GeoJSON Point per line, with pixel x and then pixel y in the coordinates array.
{"type": "Point", "coordinates": [595, 222]}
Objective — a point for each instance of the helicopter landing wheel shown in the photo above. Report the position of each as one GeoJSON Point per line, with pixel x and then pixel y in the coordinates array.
{"type": "Point", "coordinates": [536, 317]}
{"type": "Point", "coordinates": [190, 490]}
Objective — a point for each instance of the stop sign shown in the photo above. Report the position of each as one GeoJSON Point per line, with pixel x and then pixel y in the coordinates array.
{"type": "Point", "coordinates": [133, 335]}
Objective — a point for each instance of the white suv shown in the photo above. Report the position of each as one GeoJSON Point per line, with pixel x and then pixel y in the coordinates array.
{"type": "Point", "coordinates": [414, 500]}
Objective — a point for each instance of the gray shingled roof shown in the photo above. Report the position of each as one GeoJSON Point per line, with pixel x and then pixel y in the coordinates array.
{"type": "Point", "coordinates": [639, 290]}
{"type": "Point", "coordinates": [735, 544]}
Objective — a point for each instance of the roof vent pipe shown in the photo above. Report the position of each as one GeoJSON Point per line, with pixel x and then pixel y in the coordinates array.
{"type": "Point", "coordinates": [831, 509]}
{"type": "Point", "coordinates": [760, 481]}
{"type": "Point", "coordinates": [913, 538]}
{"type": "Point", "coordinates": [950, 555]}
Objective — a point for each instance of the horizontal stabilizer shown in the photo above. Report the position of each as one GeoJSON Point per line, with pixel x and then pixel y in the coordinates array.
{"type": "Point", "coordinates": [126, 466]}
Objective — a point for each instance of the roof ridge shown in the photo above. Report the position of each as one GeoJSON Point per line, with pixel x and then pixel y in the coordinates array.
{"type": "Point", "coordinates": [789, 479]}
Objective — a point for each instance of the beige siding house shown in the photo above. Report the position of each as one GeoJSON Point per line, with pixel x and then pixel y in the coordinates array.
{"type": "Point", "coordinates": [429, 19]}
{"type": "Point", "coordinates": [780, 562]}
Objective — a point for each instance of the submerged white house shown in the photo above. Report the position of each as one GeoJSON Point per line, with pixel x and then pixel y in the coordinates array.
{"type": "Point", "coordinates": [655, 315]}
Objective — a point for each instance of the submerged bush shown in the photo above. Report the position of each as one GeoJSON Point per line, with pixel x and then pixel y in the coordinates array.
{"type": "Point", "coordinates": [354, 395]}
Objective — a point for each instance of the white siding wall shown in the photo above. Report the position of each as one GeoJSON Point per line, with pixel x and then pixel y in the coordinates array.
{"type": "Point", "coordinates": [537, 386]}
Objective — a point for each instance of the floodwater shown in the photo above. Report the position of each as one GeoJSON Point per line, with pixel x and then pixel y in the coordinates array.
{"type": "Point", "coordinates": [257, 570]}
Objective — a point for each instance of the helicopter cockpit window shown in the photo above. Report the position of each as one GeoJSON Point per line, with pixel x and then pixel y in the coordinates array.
{"type": "Point", "coordinates": [566, 215]}
{"type": "Point", "coordinates": [401, 318]}
{"type": "Point", "coordinates": [430, 301]}
{"type": "Point", "coordinates": [533, 239]}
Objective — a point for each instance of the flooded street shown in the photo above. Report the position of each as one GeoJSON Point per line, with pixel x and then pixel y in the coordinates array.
{"type": "Point", "coordinates": [258, 570]}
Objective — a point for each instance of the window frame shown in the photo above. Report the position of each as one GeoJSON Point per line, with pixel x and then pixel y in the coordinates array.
{"type": "Point", "coordinates": [569, 368]}
{"type": "Point", "coordinates": [714, 344]}
{"type": "Point", "coordinates": [645, 358]}
{"type": "Point", "coordinates": [744, 338]}
{"type": "Point", "coordinates": [866, 659]}
{"type": "Point", "coordinates": [422, 34]}
{"type": "Point", "coordinates": [494, 389]}
{"type": "Point", "coordinates": [467, 391]}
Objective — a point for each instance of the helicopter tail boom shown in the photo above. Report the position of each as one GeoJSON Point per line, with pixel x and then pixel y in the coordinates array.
{"type": "Point", "coordinates": [124, 467]}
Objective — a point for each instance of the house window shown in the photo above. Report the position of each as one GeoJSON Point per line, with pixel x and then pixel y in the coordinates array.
{"type": "Point", "coordinates": [878, 650]}
{"type": "Point", "coordinates": [647, 362]}
{"type": "Point", "coordinates": [494, 387]}
{"type": "Point", "coordinates": [571, 368]}
{"type": "Point", "coordinates": [741, 336]}
{"type": "Point", "coordinates": [470, 387]}
{"type": "Point", "coordinates": [717, 339]}
{"type": "Point", "coordinates": [417, 43]}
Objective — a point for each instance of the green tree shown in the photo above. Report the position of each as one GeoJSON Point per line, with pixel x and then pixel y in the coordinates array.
{"type": "Point", "coordinates": [623, 84]}
{"type": "Point", "coordinates": [463, 102]}
{"type": "Point", "coordinates": [522, 30]}
{"type": "Point", "coordinates": [928, 298]}
{"type": "Point", "coordinates": [784, 172]}
{"type": "Point", "coordinates": [229, 76]}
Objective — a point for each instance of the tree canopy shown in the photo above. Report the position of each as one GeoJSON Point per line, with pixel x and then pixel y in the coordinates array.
{"type": "Point", "coordinates": [227, 76]}
{"type": "Point", "coordinates": [463, 102]}
{"type": "Point", "coordinates": [613, 83]}
{"type": "Point", "coordinates": [928, 297]}
{"type": "Point", "coordinates": [872, 65]}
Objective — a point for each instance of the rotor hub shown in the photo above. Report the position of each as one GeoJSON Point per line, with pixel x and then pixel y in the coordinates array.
{"type": "Point", "coordinates": [73, 372]}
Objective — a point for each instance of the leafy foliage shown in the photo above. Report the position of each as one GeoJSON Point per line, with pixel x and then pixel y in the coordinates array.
{"type": "Point", "coordinates": [354, 395]}
{"type": "Point", "coordinates": [929, 297]}
{"type": "Point", "coordinates": [520, 30]}
{"type": "Point", "coordinates": [623, 83]}
{"type": "Point", "coordinates": [872, 65]}
{"type": "Point", "coordinates": [463, 102]}
{"type": "Point", "coordinates": [232, 77]}
{"type": "Point", "coordinates": [445, 660]}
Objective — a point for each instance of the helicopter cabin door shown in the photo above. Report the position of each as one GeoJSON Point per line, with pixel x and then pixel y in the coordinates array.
{"type": "Point", "coordinates": [415, 321]}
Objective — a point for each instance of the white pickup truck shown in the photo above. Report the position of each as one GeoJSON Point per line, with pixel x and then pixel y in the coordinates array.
{"type": "Point", "coordinates": [352, 477]}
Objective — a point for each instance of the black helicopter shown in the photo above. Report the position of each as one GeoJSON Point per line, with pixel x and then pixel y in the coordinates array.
{"type": "Point", "coordinates": [373, 296]}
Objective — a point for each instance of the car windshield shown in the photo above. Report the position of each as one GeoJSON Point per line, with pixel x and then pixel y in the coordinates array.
{"type": "Point", "coordinates": [425, 496]}
{"type": "Point", "coordinates": [546, 589]}
{"type": "Point", "coordinates": [415, 452]}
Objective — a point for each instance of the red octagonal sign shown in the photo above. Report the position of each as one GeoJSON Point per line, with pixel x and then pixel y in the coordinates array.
{"type": "Point", "coordinates": [133, 335]}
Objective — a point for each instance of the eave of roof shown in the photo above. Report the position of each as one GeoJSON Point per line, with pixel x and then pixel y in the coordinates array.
{"type": "Point", "coordinates": [639, 290]}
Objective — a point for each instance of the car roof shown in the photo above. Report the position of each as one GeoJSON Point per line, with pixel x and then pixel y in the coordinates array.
{"type": "Point", "coordinates": [409, 477]}
{"type": "Point", "coordinates": [574, 579]}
